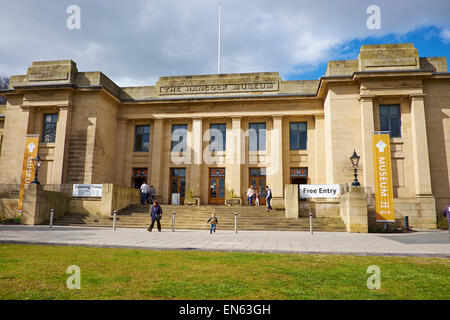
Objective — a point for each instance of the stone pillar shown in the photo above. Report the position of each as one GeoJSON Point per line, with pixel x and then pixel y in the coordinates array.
{"type": "Point", "coordinates": [320, 158]}
{"type": "Point", "coordinates": [235, 157]}
{"type": "Point", "coordinates": [121, 152]}
{"type": "Point", "coordinates": [367, 127]}
{"type": "Point", "coordinates": [197, 157]}
{"type": "Point", "coordinates": [291, 201]}
{"type": "Point", "coordinates": [129, 138]}
{"type": "Point", "coordinates": [422, 175]}
{"type": "Point", "coordinates": [275, 171]}
{"type": "Point", "coordinates": [61, 143]}
{"type": "Point", "coordinates": [157, 156]}
{"type": "Point", "coordinates": [353, 210]}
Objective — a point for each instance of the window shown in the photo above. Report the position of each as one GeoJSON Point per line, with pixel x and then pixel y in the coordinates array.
{"type": "Point", "coordinates": [298, 136]}
{"type": "Point", "coordinates": [257, 136]}
{"type": "Point", "coordinates": [141, 138]}
{"type": "Point", "coordinates": [49, 127]}
{"type": "Point", "coordinates": [179, 138]}
{"type": "Point", "coordinates": [390, 120]}
{"type": "Point", "coordinates": [218, 137]}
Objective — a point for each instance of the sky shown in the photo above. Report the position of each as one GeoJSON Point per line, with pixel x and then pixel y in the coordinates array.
{"type": "Point", "coordinates": [135, 42]}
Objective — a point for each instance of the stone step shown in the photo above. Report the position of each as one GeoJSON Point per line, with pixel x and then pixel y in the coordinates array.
{"type": "Point", "coordinates": [195, 217]}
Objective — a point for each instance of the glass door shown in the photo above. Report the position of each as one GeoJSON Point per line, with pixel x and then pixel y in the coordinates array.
{"type": "Point", "coordinates": [178, 183]}
{"type": "Point", "coordinates": [257, 178]}
{"type": "Point", "coordinates": [216, 186]}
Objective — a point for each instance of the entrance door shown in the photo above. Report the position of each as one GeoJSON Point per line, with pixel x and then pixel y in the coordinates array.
{"type": "Point", "coordinates": [178, 183]}
{"type": "Point", "coordinates": [216, 186]}
{"type": "Point", "coordinates": [139, 177]}
{"type": "Point", "coordinates": [257, 179]}
{"type": "Point", "coordinates": [299, 176]}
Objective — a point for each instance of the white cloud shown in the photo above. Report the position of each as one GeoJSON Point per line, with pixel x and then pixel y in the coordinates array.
{"type": "Point", "coordinates": [137, 41]}
{"type": "Point", "coordinates": [445, 35]}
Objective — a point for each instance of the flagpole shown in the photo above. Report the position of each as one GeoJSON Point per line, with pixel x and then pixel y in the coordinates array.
{"type": "Point", "coordinates": [219, 36]}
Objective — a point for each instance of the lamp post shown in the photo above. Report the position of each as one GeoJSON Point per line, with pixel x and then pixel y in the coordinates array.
{"type": "Point", "coordinates": [355, 161]}
{"type": "Point", "coordinates": [37, 163]}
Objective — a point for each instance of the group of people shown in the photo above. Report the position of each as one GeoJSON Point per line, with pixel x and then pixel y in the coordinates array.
{"type": "Point", "coordinates": [156, 212]}
{"type": "Point", "coordinates": [253, 197]}
{"type": "Point", "coordinates": [147, 194]}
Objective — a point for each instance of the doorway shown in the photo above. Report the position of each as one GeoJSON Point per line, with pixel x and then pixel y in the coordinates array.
{"type": "Point", "coordinates": [178, 183]}
{"type": "Point", "coordinates": [257, 179]}
{"type": "Point", "coordinates": [299, 176]}
{"type": "Point", "coordinates": [139, 176]}
{"type": "Point", "coordinates": [216, 186]}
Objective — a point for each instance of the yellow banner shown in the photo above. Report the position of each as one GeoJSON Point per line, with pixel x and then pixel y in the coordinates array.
{"type": "Point", "coordinates": [31, 151]}
{"type": "Point", "coordinates": [384, 192]}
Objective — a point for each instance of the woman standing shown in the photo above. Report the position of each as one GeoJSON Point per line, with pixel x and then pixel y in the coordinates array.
{"type": "Point", "coordinates": [156, 215]}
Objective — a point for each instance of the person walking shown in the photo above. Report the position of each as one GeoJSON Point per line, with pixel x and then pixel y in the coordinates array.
{"type": "Point", "coordinates": [151, 193]}
{"type": "Point", "coordinates": [214, 222]}
{"type": "Point", "coordinates": [268, 198]}
{"type": "Point", "coordinates": [250, 194]}
{"type": "Point", "coordinates": [446, 213]}
{"type": "Point", "coordinates": [156, 213]}
{"type": "Point", "coordinates": [144, 193]}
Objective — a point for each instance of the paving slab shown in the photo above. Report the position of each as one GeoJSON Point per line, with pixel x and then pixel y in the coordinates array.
{"type": "Point", "coordinates": [424, 243]}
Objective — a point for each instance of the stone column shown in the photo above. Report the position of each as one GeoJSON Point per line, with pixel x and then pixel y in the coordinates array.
{"type": "Point", "coordinates": [275, 171]}
{"type": "Point", "coordinates": [235, 157]}
{"type": "Point", "coordinates": [320, 157]}
{"type": "Point", "coordinates": [121, 152]}
{"type": "Point", "coordinates": [197, 157]}
{"type": "Point", "coordinates": [367, 127]}
{"type": "Point", "coordinates": [61, 143]}
{"type": "Point", "coordinates": [157, 156]}
{"type": "Point", "coordinates": [422, 175]}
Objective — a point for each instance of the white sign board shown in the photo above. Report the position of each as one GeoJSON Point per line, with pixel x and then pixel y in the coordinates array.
{"type": "Point", "coordinates": [87, 190]}
{"type": "Point", "coordinates": [315, 191]}
{"type": "Point", "coordinates": [176, 198]}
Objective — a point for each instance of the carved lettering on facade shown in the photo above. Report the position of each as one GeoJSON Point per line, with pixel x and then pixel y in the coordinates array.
{"type": "Point", "coordinates": [218, 88]}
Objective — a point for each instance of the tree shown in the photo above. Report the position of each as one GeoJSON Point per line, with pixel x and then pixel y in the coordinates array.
{"type": "Point", "coordinates": [4, 84]}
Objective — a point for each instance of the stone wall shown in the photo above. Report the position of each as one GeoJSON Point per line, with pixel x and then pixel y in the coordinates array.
{"type": "Point", "coordinates": [38, 202]}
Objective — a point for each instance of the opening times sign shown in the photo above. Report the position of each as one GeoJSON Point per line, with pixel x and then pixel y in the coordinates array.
{"type": "Point", "coordinates": [384, 192]}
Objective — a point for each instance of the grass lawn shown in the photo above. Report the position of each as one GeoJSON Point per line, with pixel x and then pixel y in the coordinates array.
{"type": "Point", "coordinates": [39, 272]}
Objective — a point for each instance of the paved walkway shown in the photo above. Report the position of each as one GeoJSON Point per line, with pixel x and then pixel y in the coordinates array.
{"type": "Point", "coordinates": [426, 243]}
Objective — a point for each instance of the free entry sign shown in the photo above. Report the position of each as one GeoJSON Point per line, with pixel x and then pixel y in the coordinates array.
{"type": "Point", "coordinates": [308, 191]}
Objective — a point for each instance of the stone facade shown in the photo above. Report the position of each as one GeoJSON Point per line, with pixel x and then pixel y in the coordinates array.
{"type": "Point", "coordinates": [95, 133]}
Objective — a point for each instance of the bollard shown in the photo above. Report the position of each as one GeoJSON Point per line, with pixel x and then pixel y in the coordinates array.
{"type": "Point", "coordinates": [406, 222]}
{"type": "Point", "coordinates": [173, 221]}
{"type": "Point", "coordinates": [51, 218]}
{"type": "Point", "coordinates": [114, 219]}
{"type": "Point", "coordinates": [235, 222]}
{"type": "Point", "coordinates": [310, 223]}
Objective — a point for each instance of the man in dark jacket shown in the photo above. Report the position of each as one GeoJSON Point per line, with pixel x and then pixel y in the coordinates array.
{"type": "Point", "coordinates": [156, 214]}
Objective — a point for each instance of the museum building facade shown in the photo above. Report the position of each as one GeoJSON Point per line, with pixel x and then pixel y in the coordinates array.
{"type": "Point", "coordinates": [211, 136]}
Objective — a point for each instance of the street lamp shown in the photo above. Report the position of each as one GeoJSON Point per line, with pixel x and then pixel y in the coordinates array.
{"type": "Point", "coordinates": [355, 160]}
{"type": "Point", "coordinates": [37, 163]}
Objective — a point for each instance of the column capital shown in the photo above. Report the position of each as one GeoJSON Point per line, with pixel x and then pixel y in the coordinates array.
{"type": "Point", "coordinates": [417, 96]}
{"type": "Point", "coordinates": [277, 116]}
{"type": "Point", "coordinates": [319, 115]}
{"type": "Point", "coordinates": [64, 107]}
{"type": "Point", "coordinates": [28, 108]}
{"type": "Point", "coordinates": [366, 98]}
